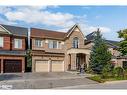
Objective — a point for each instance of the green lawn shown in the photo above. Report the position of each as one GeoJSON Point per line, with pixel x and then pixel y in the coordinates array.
{"type": "Point", "coordinates": [101, 80]}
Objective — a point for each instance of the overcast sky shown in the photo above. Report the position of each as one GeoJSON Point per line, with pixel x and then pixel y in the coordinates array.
{"type": "Point", "coordinates": [109, 19]}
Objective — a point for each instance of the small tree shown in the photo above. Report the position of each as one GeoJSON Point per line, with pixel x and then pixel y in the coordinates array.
{"type": "Point", "coordinates": [119, 72]}
{"type": "Point", "coordinates": [107, 71]}
{"type": "Point", "coordinates": [29, 58]}
{"type": "Point", "coordinates": [99, 56]}
{"type": "Point", "coordinates": [123, 43]}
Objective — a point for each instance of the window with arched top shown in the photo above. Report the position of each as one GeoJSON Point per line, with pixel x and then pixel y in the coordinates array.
{"type": "Point", "coordinates": [75, 42]}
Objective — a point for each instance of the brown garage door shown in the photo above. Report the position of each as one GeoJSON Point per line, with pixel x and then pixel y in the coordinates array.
{"type": "Point", "coordinates": [12, 66]}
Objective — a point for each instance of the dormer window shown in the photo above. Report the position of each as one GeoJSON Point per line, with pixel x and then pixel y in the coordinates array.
{"type": "Point", "coordinates": [75, 42]}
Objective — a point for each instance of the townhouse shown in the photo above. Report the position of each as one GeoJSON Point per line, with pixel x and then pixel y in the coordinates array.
{"type": "Point", "coordinates": [13, 44]}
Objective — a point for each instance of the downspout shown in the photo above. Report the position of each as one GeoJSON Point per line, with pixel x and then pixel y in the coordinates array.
{"type": "Point", "coordinates": [29, 44]}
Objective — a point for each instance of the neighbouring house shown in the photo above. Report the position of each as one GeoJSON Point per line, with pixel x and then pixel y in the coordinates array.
{"type": "Point", "coordinates": [117, 59]}
{"type": "Point", "coordinates": [13, 44]}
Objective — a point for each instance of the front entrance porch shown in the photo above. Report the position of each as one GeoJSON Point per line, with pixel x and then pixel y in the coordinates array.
{"type": "Point", "coordinates": [78, 57]}
{"type": "Point", "coordinates": [76, 61]}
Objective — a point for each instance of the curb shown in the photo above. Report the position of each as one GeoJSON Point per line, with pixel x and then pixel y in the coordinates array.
{"type": "Point", "coordinates": [119, 81]}
{"type": "Point", "coordinates": [72, 87]}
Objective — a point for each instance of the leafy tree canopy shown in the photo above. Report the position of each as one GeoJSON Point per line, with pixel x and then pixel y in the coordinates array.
{"type": "Point", "coordinates": [123, 43]}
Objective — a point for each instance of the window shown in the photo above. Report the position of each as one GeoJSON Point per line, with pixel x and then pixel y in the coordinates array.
{"type": "Point", "coordinates": [52, 44]}
{"type": "Point", "coordinates": [59, 45]}
{"type": "Point", "coordinates": [1, 41]}
{"type": "Point", "coordinates": [18, 43]}
{"type": "Point", "coordinates": [125, 64]}
{"type": "Point", "coordinates": [75, 42]}
{"type": "Point", "coordinates": [38, 43]}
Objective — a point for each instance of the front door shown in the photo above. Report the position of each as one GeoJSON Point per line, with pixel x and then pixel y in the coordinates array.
{"type": "Point", "coordinates": [80, 59]}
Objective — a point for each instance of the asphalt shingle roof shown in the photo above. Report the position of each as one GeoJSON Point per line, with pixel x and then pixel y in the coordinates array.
{"type": "Point", "coordinates": [110, 43]}
{"type": "Point", "coordinates": [42, 33]}
{"type": "Point", "coordinates": [15, 30]}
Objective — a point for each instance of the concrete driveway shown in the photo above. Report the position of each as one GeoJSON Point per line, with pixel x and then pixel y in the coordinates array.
{"type": "Point", "coordinates": [108, 85]}
{"type": "Point", "coordinates": [42, 80]}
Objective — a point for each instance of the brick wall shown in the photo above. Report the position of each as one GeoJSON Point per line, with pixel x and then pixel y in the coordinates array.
{"type": "Point", "coordinates": [23, 43]}
{"type": "Point", "coordinates": [6, 45]}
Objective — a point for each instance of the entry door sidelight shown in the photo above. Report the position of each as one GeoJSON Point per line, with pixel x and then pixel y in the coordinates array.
{"type": "Point", "coordinates": [77, 62]}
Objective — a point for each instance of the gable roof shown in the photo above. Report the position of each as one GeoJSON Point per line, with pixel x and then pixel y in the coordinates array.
{"type": "Point", "coordinates": [3, 30]}
{"type": "Point", "coordinates": [90, 38]}
{"type": "Point", "coordinates": [15, 30]}
{"type": "Point", "coordinates": [71, 30]}
{"type": "Point", "coordinates": [43, 33]}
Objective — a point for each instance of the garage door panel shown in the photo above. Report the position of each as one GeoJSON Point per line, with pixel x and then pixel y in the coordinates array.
{"type": "Point", "coordinates": [57, 66]}
{"type": "Point", "coordinates": [42, 66]}
{"type": "Point", "coordinates": [12, 66]}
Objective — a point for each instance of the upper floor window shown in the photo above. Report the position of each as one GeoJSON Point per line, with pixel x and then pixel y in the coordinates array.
{"type": "Point", "coordinates": [18, 43]}
{"type": "Point", "coordinates": [38, 43]}
{"type": "Point", "coordinates": [1, 41]}
{"type": "Point", "coordinates": [75, 42]}
{"type": "Point", "coordinates": [52, 44]}
{"type": "Point", "coordinates": [59, 45]}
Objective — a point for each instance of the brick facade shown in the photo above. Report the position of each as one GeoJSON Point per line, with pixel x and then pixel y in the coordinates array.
{"type": "Point", "coordinates": [7, 42]}
{"type": "Point", "coordinates": [8, 52]}
{"type": "Point", "coordinates": [68, 43]}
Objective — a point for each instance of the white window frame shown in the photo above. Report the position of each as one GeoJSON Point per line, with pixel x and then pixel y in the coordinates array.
{"type": "Point", "coordinates": [59, 45]}
{"type": "Point", "coordinates": [18, 43]}
{"type": "Point", "coordinates": [51, 44]}
{"type": "Point", "coordinates": [1, 41]}
{"type": "Point", "coordinates": [75, 43]}
{"type": "Point", "coordinates": [38, 43]}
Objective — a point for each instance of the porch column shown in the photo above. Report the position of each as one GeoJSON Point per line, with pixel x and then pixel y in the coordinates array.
{"type": "Point", "coordinates": [2, 66]}
{"type": "Point", "coordinates": [87, 60]}
{"type": "Point", "coordinates": [73, 61]}
{"type": "Point", "coordinates": [23, 65]}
